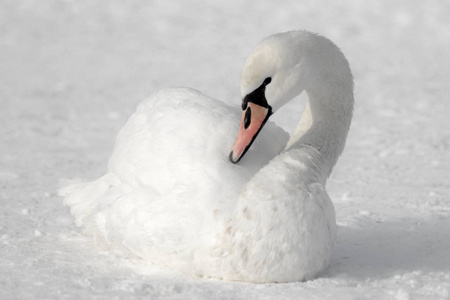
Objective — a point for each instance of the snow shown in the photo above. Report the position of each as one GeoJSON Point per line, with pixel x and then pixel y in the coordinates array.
{"type": "Point", "coordinates": [72, 72]}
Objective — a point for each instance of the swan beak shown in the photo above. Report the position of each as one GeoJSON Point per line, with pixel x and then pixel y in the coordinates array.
{"type": "Point", "coordinates": [253, 119]}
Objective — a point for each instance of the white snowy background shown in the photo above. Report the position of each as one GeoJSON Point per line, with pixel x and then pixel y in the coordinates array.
{"type": "Point", "coordinates": [72, 72]}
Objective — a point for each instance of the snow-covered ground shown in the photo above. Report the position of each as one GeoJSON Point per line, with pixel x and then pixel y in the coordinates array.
{"type": "Point", "coordinates": [72, 72]}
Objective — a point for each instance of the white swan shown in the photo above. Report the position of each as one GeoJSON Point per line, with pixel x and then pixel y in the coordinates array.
{"type": "Point", "coordinates": [172, 197]}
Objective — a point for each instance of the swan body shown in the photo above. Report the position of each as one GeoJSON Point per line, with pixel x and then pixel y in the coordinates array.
{"type": "Point", "coordinates": [172, 197]}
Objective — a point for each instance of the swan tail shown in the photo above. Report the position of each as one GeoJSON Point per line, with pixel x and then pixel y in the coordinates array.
{"type": "Point", "coordinates": [86, 199]}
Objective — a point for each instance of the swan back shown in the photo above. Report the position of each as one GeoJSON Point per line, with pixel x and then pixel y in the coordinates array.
{"type": "Point", "coordinates": [169, 182]}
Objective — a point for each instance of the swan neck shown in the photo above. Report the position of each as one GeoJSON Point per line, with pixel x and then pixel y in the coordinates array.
{"type": "Point", "coordinates": [324, 126]}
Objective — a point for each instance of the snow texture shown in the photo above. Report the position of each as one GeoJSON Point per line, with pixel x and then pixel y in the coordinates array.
{"type": "Point", "coordinates": [72, 72]}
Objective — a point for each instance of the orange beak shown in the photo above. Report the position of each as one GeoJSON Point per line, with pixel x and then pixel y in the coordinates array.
{"type": "Point", "coordinates": [253, 119]}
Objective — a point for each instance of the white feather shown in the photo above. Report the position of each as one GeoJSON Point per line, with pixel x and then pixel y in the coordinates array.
{"type": "Point", "coordinates": [172, 197]}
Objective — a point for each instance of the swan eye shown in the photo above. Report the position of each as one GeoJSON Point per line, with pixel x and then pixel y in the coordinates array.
{"type": "Point", "coordinates": [244, 103]}
{"type": "Point", "coordinates": [267, 80]}
{"type": "Point", "coordinates": [248, 118]}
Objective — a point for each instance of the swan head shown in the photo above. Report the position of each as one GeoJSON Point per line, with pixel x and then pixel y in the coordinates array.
{"type": "Point", "coordinates": [281, 67]}
{"type": "Point", "coordinates": [272, 75]}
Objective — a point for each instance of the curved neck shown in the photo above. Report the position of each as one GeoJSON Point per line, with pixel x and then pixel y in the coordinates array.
{"type": "Point", "coordinates": [324, 126]}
